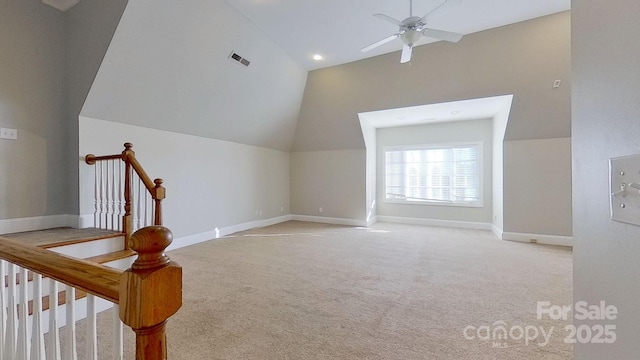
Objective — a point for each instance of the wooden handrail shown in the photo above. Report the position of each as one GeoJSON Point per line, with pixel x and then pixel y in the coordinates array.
{"type": "Point", "coordinates": [92, 159]}
{"type": "Point", "coordinates": [93, 278]}
{"type": "Point", "coordinates": [154, 187]}
{"type": "Point", "coordinates": [148, 293]}
{"type": "Point", "coordinates": [129, 156]}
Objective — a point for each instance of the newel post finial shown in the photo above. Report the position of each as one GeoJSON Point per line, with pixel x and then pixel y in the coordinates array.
{"type": "Point", "coordinates": [128, 149]}
{"type": "Point", "coordinates": [150, 291]}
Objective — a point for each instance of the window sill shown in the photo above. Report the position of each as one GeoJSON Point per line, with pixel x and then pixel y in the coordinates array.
{"type": "Point", "coordinates": [433, 203]}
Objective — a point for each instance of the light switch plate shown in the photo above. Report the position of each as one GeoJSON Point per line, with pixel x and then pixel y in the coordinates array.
{"type": "Point", "coordinates": [624, 183]}
{"type": "Point", "coordinates": [9, 134]}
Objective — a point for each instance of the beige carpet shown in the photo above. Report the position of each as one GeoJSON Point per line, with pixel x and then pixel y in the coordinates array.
{"type": "Point", "coordinates": [311, 291]}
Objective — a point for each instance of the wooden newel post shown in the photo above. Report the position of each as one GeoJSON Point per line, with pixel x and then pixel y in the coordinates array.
{"type": "Point", "coordinates": [150, 291]}
{"type": "Point", "coordinates": [127, 219]}
{"type": "Point", "coordinates": [159, 193]}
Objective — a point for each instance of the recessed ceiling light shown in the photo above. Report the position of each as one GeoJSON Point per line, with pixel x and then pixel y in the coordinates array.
{"type": "Point", "coordinates": [455, 112]}
{"type": "Point", "coordinates": [317, 57]}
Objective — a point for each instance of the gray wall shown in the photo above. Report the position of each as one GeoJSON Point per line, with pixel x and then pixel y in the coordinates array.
{"type": "Point", "coordinates": [331, 180]}
{"type": "Point", "coordinates": [89, 28]}
{"type": "Point", "coordinates": [459, 131]}
{"type": "Point", "coordinates": [605, 124]}
{"type": "Point", "coordinates": [539, 177]}
{"type": "Point", "coordinates": [47, 64]}
{"type": "Point", "coordinates": [32, 100]}
{"type": "Point", "coordinates": [522, 59]}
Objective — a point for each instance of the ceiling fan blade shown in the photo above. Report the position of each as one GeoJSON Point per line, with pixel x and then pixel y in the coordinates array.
{"type": "Point", "coordinates": [441, 10]}
{"type": "Point", "coordinates": [442, 35]}
{"type": "Point", "coordinates": [389, 19]}
{"type": "Point", "coordinates": [381, 42]}
{"type": "Point", "coordinates": [406, 54]}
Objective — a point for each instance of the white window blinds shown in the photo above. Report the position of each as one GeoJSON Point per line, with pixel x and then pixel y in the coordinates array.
{"type": "Point", "coordinates": [443, 173]}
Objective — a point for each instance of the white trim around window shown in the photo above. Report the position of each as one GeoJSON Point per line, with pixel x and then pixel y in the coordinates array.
{"type": "Point", "coordinates": [446, 174]}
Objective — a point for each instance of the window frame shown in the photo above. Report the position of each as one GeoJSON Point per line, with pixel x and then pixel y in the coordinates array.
{"type": "Point", "coordinates": [480, 165]}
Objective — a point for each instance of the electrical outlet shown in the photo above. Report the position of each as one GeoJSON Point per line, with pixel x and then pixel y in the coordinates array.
{"type": "Point", "coordinates": [320, 210]}
{"type": "Point", "coordinates": [9, 134]}
{"type": "Point", "coordinates": [556, 84]}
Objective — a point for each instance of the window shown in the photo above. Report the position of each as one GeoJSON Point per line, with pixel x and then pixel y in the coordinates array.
{"type": "Point", "coordinates": [445, 174]}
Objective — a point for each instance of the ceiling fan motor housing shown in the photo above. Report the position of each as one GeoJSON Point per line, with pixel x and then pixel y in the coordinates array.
{"type": "Point", "coordinates": [410, 37]}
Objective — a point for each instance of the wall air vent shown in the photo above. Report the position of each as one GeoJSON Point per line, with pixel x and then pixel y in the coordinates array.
{"type": "Point", "coordinates": [235, 57]}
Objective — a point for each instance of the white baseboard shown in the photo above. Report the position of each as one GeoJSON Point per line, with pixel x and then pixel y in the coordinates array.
{"type": "Point", "coordinates": [220, 232]}
{"type": "Point", "coordinates": [540, 238]}
{"type": "Point", "coordinates": [497, 231]}
{"type": "Point", "coordinates": [436, 222]}
{"type": "Point", "coordinates": [372, 221]}
{"type": "Point", "coordinates": [329, 220]}
{"type": "Point", "coordinates": [8, 226]}
{"type": "Point", "coordinates": [85, 221]}
{"type": "Point", "coordinates": [253, 224]}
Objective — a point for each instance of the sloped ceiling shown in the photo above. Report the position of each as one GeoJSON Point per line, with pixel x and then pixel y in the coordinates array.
{"type": "Point", "coordinates": [338, 29]}
{"type": "Point", "coordinates": [168, 68]}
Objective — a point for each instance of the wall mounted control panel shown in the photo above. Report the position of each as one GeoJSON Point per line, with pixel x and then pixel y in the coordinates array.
{"type": "Point", "coordinates": [624, 183]}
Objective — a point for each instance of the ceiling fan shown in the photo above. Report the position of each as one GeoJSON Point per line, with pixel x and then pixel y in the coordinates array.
{"type": "Point", "coordinates": [413, 29]}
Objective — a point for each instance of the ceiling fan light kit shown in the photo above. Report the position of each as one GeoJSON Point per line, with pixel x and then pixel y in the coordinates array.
{"type": "Point", "coordinates": [413, 29]}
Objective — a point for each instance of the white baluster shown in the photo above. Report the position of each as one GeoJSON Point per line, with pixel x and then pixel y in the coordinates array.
{"type": "Point", "coordinates": [107, 196]}
{"type": "Point", "coordinates": [118, 336]}
{"type": "Point", "coordinates": [139, 203]}
{"type": "Point", "coordinates": [3, 308]}
{"type": "Point", "coordinates": [120, 182]}
{"type": "Point", "coordinates": [92, 325]}
{"type": "Point", "coordinates": [145, 201]}
{"type": "Point", "coordinates": [53, 350]}
{"type": "Point", "coordinates": [37, 336]}
{"type": "Point", "coordinates": [96, 219]}
{"type": "Point", "coordinates": [72, 353]}
{"type": "Point", "coordinates": [12, 315]}
{"type": "Point", "coordinates": [23, 331]}
{"type": "Point", "coordinates": [103, 194]}
{"type": "Point", "coordinates": [114, 196]}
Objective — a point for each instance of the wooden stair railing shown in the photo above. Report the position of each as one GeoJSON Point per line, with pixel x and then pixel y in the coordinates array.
{"type": "Point", "coordinates": [113, 196]}
{"type": "Point", "coordinates": [148, 293]}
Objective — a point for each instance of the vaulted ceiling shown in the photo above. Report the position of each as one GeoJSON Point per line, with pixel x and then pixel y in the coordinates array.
{"type": "Point", "coordinates": [338, 29]}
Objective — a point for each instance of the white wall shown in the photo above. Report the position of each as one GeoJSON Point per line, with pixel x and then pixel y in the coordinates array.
{"type": "Point", "coordinates": [210, 183]}
{"type": "Point", "coordinates": [371, 206]}
{"type": "Point", "coordinates": [605, 124]}
{"type": "Point", "coordinates": [167, 68]}
{"type": "Point", "coordinates": [331, 180]}
{"type": "Point", "coordinates": [458, 131]}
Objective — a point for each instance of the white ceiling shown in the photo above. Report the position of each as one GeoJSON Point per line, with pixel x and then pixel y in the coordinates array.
{"type": "Point", "coordinates": [338, 29]}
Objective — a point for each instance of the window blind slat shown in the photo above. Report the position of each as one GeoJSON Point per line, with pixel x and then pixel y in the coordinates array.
{"type": "Point", "coordinates": [439, 174]}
